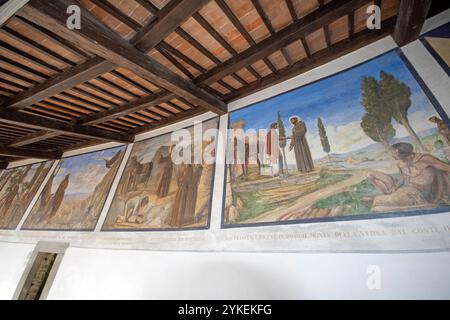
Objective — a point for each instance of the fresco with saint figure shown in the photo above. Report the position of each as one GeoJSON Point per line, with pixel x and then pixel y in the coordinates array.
{"type": "Point", "coordinates": [157, 193]}
{"type": "Point", "coordinates": [17, 188]}
{"type": "Point", "coordinates": [76, 192]}
{"type": "Point", "coordinates": [364, 142]}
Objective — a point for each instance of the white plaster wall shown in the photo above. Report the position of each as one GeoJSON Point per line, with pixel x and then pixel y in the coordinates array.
{"type": "Point", "coordinates": [115, 274]}
{"type": "Point", "coordinates": [90, 273]}
{"type": "Point", "coordinates": [13, 260]}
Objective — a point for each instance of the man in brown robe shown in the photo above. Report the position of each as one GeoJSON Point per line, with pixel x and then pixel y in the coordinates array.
{"type": "Point", "coordinates": [300, 145]}
{"type": "Point", "coordinates": [59, 196]}
{"type": "Point", "coordinates": [166, 176]}
{"type": "Point", "coordinates": [136, 169]}
{"type": "Point", "coordinates": [183, 209]}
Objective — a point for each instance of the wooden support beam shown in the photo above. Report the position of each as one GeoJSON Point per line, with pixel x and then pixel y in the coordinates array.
{"type": "Point", "coordinates": [22, 153]}
{"type": "Point", "coordinates": [32, 138]}
{"type": "Point", "coordinates": [171, 120]}
{"type": "Point", "coordinates": [411, 17]}
{"type": "Point", "coordinates": [134, 106]}
{"type": "Point", "coordinates": [9, 9]}
{"type": "Point", "coordinates": [329, 54]}
{"type": "Point", "coordinates": [42, 123]}
{"type": "Point", "coordinates": [104, 42]}
{"type": "Point", "coordinates": [298, 30]}
{"type": "Point", "coordinates": [97, 66]}
{"type": "Point", "coordinates": [170, 17]}
{"type": "Point", "coordinates": [66, 80]}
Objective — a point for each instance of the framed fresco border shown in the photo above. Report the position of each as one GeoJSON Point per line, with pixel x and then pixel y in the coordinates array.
{"type": "Point", "coordinates": [425, 88]}
{"type": "Point", "coordinates": [75, 230]}
{"type": "Point", "coordinates": [207, 227]}
{"type": "Point", "coordinates": [114, 186]}
{"type": "Point", "coordinates": [25, 214]}
{"type": "Point", "coordinates": [375, 216]}
{"type": "Point", "coordinates": [435, 55]}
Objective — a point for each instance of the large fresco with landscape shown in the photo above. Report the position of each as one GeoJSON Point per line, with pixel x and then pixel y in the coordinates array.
{"type": "Point", "coordinates": [76, 192]}
{"type": "Point", "coordinates": [17, 188]}
{"type": "Point", "coordinates": [361, 143]}
{"type": "Point", "coordinates": [156, 193]}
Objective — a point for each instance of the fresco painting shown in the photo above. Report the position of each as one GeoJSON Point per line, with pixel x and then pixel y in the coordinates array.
{"type": "Point", "coordinates": [156, 193]}
{"type": "Point", "coordinates": [364, 142]}
{"type": "Point", "coordinates": [17, 188]}
{"type": "Point", "coordinates": [438, 43]}
{"type": "Point", "coordinates": [76, 192]}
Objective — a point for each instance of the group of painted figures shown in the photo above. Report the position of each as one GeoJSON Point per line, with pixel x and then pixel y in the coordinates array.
{"type": "Point", "coordinates": [138, 180]}
{"type": "Point", "coordinates": [424, 180]}
{"type": "Point", "coordinates": [16, 189]}
{"type": "Point", "coordinates": [274, 151]}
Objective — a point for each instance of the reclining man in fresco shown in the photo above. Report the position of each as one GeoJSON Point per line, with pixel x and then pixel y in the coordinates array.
{"type": "Point", "coordinates": [424, 181]}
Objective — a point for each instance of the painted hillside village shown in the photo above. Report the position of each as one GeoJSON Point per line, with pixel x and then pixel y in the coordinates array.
{"type": "Point", "coordinates": [75, 194]}
{"type": "Point", "coordinates": [365, 141]}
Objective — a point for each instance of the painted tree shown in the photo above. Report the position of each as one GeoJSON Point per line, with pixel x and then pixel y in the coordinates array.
{"type": "Point", "coordinates": [370, 97]}
{"type": "Point", "coordinates": [324, 138]}
{"type": "Point", "coordinates": [377, 122]}
{"type": "Point", "coordinates": [396, 96]}
{"type": "Point", "coordinates": [379, 129]}
{"type": "Point", "coordinates": [282, 142]}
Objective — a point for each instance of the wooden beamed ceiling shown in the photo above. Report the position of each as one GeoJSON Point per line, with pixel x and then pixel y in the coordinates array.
{"type": "Point", "coordinates": [139, 65]}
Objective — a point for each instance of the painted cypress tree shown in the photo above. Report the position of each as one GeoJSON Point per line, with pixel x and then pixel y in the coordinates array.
{"type": "Point", "coordinates": [379, 129]}
{"type": "Point", "coordinates": [324, 138]}
{"type": "Point", "coordinates": [282, 142]}
{"type": "Point", "coordinates": [377, 122]}
{"type": "Point", "coordinates": [396, 96]}
{"type": "Point", "coordinates": [370, 97]}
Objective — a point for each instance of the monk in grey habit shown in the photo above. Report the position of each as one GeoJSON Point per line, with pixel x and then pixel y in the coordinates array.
{"type": "Point", "coordinates": [300, 145]}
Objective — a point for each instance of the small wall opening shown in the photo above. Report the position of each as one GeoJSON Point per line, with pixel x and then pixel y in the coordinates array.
{"type": "Point", "coordinates": [38, 276]}
{"type": "Point", "coordinates": [40, 271]}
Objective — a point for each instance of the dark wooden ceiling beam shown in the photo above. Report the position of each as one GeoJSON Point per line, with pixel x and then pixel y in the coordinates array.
{"type": "Point", "coordinates": [218, 37]}
{"type": "Point", "coordinates": [329, 54]}
{"type": "Point", "coordinates": [171, 120]}
{"type": "Point", "coordinates": [3, 165]}
{"type": "Point", "coordinates": [169, 18]}
{"type": "Point", "coordinates": [299, 29]}
{"type": "Point", "coordinates": [42, 123]}
{"type": "Point", "coordinates": [267, 22]}
{"type": "Point", "coordinates": [116, 13]}
{"type": "Point", "coordinates": [102, 41]}
{"type": "Point", "coordinates": [10, 33]}
{"type": "Point", "coordinates": [35, 154]}
{"type": "Point", "coordinates": [54, 38]}
{"type": "Point", "coordinates": [32, 138]}
{"type": "Point", "coordinates": [90, 69]}
{"type": "Point", "coordinates": [23, 68]}
{"type": "Point", "coordinates": [411, 17]}
{"type": "Point", "coordinates": [134, 106]}
{"type": "Point", "coordinates": [150, 7]}
{"type": "Point", "coordinates": [240, 27]}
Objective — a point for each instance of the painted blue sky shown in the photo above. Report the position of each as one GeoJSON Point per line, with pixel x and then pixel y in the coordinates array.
{"type": "Point", "coordinates": [86, 170]}
{"type": "Point", "coordinates": [336, 100]}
